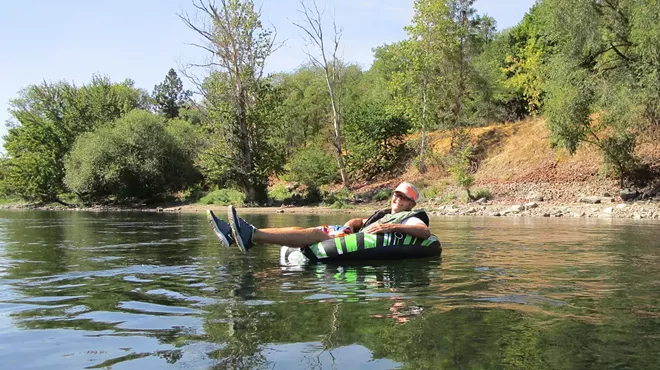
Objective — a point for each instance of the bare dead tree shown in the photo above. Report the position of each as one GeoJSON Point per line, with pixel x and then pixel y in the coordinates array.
{"type": "Point", "coordinates": [332, 65]}
{"type": "Point", "coordinates": [237, 47]}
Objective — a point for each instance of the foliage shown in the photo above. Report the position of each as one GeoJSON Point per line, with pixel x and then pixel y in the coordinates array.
{"type": "Point", "coordinates": [430, 192]}
{"type": "Point", "coordinates": [47, 119]}
{"type": "Point", "coordinates": [192, 193]}
{"type": "Point", "coordinates": [524, 61]}
{"type": "Point", "coordinates": [482, 193]}
{"type": "Point", "coordinates": [460, 164]}
{"type": "Point", "coordinates": [338, 199]}
{"type": "Point", "coordinates": [224, 197]}
{"type": "Point", "coordinates": [448, 198]}
{"type": "Point", "coordinates": [169, 96]}
{"type": "Point", "coordinates": [312, 166]}
{"type": "Point", "coordinates": [133, 158]}
{"type": "Point", "coordinates": [240, 102]}
{"type": "Point", "coordinates": [326, 58]}
{"type": "Point", "coordinates": [382, 195]}
{"type": "Point", "coordinates": [606, 63]}
{"type": "Point", "coordinates": [439, 85]}
{"type": "Point", "coordinates": [305, 107]}
{"type": "Point", "coordinates": [374, 139]}
{"type": "Point", "coordinates": [279, 193]}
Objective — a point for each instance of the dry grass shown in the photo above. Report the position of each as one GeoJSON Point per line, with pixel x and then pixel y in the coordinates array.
{"type": "Point", "coordinates": [516, 153]}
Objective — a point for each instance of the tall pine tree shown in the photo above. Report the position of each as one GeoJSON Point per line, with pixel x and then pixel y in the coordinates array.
{"type": "Point", "coordinates": [170, 95]}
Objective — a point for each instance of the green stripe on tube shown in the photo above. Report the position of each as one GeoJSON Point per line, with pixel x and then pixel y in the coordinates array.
{"type": "Point", "coordinates": [338, 246]}
{"type": "Point", "coordinates": [351, 243]}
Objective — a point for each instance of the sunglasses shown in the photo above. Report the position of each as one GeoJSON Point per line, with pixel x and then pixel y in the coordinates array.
{"type": "Point", "coordinates": [399, 195]}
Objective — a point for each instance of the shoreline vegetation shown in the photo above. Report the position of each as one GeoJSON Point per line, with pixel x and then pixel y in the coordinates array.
{"type": "Point", "coordinates": [557, 116]}
{"type": "Point", "coordinates": [638, 210]}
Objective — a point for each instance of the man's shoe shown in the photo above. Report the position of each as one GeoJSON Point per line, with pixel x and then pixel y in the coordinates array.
{"type": "Point", "coordinates": [221, 229]}
{"type": "Point", "coordinates": [241, 230]}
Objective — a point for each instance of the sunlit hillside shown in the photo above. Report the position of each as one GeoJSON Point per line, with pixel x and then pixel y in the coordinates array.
{"type": "Point", "coordinates": [515, 158]}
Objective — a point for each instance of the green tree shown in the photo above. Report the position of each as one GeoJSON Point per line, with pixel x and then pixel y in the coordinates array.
{"type": "Point", "coordinates": [305, 107]}
{"type": "Point", "coordinates": [313, 166]}
{"type": "Point", "coordinates": [374, 138]}
{"type": "Point", "coordinates": [236, 95]}
{"type": "Point", "coordinates": [603, 79]}
{"type": "Point", "coordinates": [136, 157]}
{"type": "Point", "coordinates": [169, 96]}
{"type": "Point", "coordinates": [47, 119]}
{"type": "Point", "coordinates": [439, 86]}
{"type": "Point", "coordinates": [524, 61]}
{"type": "Point", "coordinates": [327, 59]}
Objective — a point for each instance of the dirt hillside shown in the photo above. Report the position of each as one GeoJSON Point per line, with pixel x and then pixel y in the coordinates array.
{"type": "Point", "coordinates": [515, 159]}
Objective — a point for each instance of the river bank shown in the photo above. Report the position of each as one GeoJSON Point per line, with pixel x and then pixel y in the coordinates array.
{"type": "Point", "coordinates": [588, 207]}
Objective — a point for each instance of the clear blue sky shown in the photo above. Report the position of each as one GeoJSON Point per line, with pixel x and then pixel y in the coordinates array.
{"type": "Point", "coordinates": [142, 39]}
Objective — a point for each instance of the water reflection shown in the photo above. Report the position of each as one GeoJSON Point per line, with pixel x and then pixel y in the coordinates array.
{"type": "Point", "coordinates": [151, 290]}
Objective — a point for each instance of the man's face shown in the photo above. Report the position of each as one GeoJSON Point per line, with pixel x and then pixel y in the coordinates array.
{"type": "Point", "coordinates": [401, 203]}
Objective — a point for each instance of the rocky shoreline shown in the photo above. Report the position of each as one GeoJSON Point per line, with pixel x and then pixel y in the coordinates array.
{"type": "Point", "coordinates": [588, 207]}
{"type": "Point", "coordinates": [509, 200]}
{"type": "Point", "coordinates": [636, 210]}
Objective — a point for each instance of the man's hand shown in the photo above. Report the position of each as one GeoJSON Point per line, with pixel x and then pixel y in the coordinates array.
{"type": "Point", "coordinates": [355, 224]}
{"type": "Point", "coordinates": [381, 228]}
{"type": "Point", "coordinates": [417, 231]}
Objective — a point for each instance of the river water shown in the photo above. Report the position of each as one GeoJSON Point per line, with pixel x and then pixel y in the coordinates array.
{"type": "Point", "coordinates": [145, 290]}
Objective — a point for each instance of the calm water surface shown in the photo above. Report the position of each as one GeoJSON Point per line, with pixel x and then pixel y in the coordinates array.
{"type": "Point", "coordinates": [153, 291]}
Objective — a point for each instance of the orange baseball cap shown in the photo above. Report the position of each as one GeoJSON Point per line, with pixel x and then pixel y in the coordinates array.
{"type": "Point", "coordinates": [409, 190]}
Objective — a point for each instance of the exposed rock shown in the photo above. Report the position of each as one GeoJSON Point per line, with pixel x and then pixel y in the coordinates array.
{"type": "Point", "coordinates": [608, 210]}
{"type": "Point", "coordinates": [546, 214]}
{"type": "Point", "coordinates": [530, 205]}
{"type": "Point", "coordinates": [621, 206]}
{"type": "Point", "coordinates": [534, 196]}
{"type": "Point", "coordinates": [590, 200]}
{"type": "Point", "coordinates": [517, 208]}
{"type": "Point", "coordinates": [628, 194]}
{"type": "Point", "coordinates": [482, 200]}
{"type": "Point", "coordinates": [280, 211]}
{"type": "Point", "coordinates": [605, 215]}
{"type": "Point", "coordinates": [471, 210]}
{"type": "Point", "coordinates": [637, 216]}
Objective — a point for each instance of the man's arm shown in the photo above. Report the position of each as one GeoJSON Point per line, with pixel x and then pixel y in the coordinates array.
{"type": "Point", "coordinates": [355, 223]}
{"type": "Point", "coordinates": [415, 229]}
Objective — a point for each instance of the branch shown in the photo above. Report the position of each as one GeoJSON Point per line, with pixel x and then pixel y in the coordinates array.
{"type": "Point", "coordinates": [613, 47]}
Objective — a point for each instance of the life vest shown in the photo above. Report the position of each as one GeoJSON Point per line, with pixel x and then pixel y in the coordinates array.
{"type": "Point", "coordinates": [386, 217]}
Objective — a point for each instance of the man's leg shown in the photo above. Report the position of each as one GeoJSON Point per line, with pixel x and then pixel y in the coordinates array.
{"type": "Point", "coordinates": [295, 237]}
{"type": "Point", "coordinates": [246, 234]}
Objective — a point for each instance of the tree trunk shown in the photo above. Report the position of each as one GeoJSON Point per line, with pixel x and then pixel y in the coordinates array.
{"type": "Point", "coordinates": [336, 121]}
{"type": "Point", "coordinates": [422, 148]}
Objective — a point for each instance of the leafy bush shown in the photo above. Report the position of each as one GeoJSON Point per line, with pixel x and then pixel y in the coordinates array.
{"type": "Point", "coordinates": [338, 199]}
{"type": "Point", "coordinates": [279, 193]}
{"type": "Point", "coordinates": [224, 197]}
{"type": "Point", "coordinates": [135, 157]}
{"type": "Point", "coordinates": [482, 193]}
{"type": "Point", "coordinates": [459, 163]}
{"type": "Point", "coordinates": [193, 193]}
{"type": "Point", "coordinates": [382, 195]}
{"type": "Point", "coordinates": [313, 167]}
{"type": "Point", "coordinates": [448, 198]}
{"type": "Point", "coordinates": [374, 139]}
{"type": "Point", "coordinates": [430, 192]}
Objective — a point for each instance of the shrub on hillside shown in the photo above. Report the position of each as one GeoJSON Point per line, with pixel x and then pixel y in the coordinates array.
{"type": "Point", "coordinates": [279, 193]}
{"type": "Point", "coordinates": [482, 193]}
{"type": "Point", "coordinates": [313, 167]}
{"type": "Point", "coordinates": [224, 197]}
{"type": "Point", "coordinates": [374, 139]}
{"type": "Point", "coordinates": [134, 158]}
